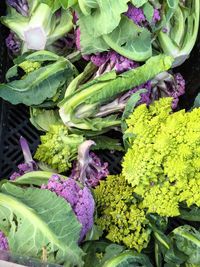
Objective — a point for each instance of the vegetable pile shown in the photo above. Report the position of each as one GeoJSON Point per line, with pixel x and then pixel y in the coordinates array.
{"type": "Point", "coordinates": [101, 76]}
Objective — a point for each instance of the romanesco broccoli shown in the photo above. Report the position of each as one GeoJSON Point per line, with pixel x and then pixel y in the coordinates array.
{"type": "Point", "coordinates": [163, 163]}
{"type": "Point", "coordinates": [58, 148]}
{"type": "Point", "coordinates": [29, 66]}
{"type": "Point", "coordinates": [120, 214]}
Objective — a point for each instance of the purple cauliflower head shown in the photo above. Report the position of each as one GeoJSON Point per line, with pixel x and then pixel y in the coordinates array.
{"type": "Point", "coordinates": [13, 43]}
{"type": "Point", "coordinates": [3, 242]}
{"type": "Point", "coordinates": [81, 200]}
{"type": "Point", "coordinates": [29, 164]}
{"type": "Point", "coordinates": [21, 6]}
{"type": "Point", "coordinates": [87, 168]}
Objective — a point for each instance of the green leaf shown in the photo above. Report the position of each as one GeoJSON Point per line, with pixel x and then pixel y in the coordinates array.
{"type": "Point", "coordinates": [54, 4]}
{"type": "Point", "coordinates": [130, 107]}
{"type": "Point", "coordinates": [96, 23]}
{"type": "Point", "coordinates": [131, 78]}
{"type": "Point", "coordinates": [94, 233]}
{"type": "Point", "coordinates": [43, 118]}
{"type": "Point", "coordinates": [104, 89]}
{"type": "Point", "coordinates": [130, 40]}
{"type": "Point", "coordinates": [191, 213]}
{"type": "Point", "coordinates": [92, 249]}
{"type": "Point", "coordinates": [37, 218]}
{"type": "Point", "coordinates": [37, 178]}
{"type": "Point", "coordinates": [187, 240]}
{"type": "Point", "coordinates": [138, 3]}
{"type": "Point", "coordinates": [105, 142]}
{"type": "Point", "coordinates": [129, 258]}
{"type": "Point", "coordinates": [196, 102]}
{"type": "Point", "coordinates": [148, 11]}
{"type": "Point", "coordinates": [38, 85]}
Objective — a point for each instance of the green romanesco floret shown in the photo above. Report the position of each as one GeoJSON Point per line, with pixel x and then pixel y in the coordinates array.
{"type": "Point", "coordinates": [58, 148]}
{"type": "Point", "coordinates": [163, 163]}
{"type": "Point", "coordinates": [29, 66]}
{"type": "Point", "coordinates": [120, 214]}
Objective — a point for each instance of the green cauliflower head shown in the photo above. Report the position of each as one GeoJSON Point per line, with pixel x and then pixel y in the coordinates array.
{"type": "Point", "coordinates": [58, 148]}
{"type": "Point", "coordinates": [120, 214]}
{"type": "Point", "coordinates": [163, 163]}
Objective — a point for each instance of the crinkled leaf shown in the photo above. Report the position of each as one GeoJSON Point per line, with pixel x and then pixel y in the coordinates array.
{"type": "Point", "coordinates": [103, 19]}
{"type": "Point", "coordinates": [36, 218]}
{"type": "Point", "coordinates": [38, 85]}
{"type": "Point", "coordinates": [187, 240]}
{"type": "Point", "coordinates": [130, 40]}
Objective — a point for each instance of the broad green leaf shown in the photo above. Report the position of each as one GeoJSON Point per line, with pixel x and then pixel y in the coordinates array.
{"type": "Point", "coordinates": [43, 118]}
{"type": "Point", "coordinates": [35, 178]}
{"type": "Point", "coordinates": [54, 4]}
{"type": "Point", "coordinates": [96, 23]}
{"type": "Point", "coordinates": [37, 218]}
{"type": "Point", "coordinates": [38, 85]}
{"type": "Point", "coordinates": [130, 40]}
{"type": "Point", "coordinates": [138, 3]}
{"type": "Point", "coordinates": [91, 44]}
{"type": "Point", "coordinates": [129, 258]}
{"type": "Point", "coordinates": [41, 56]}
{"type": "Point", "coordinates": [190, 213]}
{"type": "Point", "coordinates": [187, 240]}
{"type": "Point", "coordinates": [148, 11]}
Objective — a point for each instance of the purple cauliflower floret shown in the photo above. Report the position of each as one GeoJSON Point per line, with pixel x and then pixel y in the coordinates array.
{"type": "Point", "coordinates": [87, 168]}
{"type": "Point", "coordinates": [21, 6]}
{"type": "Point", "coordinates": [29, 164]}
{"type": "Point", "coordinates": [138, 17]}
{"type": "Point", "coordinates": [156, 15]}
{"type": "Point", "coordinates": [135, 14]}
{"type": "Point", "coordinates": [167, 85]}
{"type": "Point", "coordinates": [13, 43]}
{"type": "Point", "coordinates": [81, 200]}
{"type": "Point", "coordinates": [3, 242]}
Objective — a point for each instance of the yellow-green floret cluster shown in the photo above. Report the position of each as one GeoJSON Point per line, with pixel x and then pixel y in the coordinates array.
{"type": "Point", "coordinates": [58, 148]}
{"type": "Point", "coordinates": [29, 66]}
{"type": "Point", "coordinates": [120, 214]}
{"type": "Point", "coordinates": [163, 163]}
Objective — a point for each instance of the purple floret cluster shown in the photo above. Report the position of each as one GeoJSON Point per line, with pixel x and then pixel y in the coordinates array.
{"type": "Point", "coordinates": [81, 200]}
{"type": "Point", "coordinates": [13, 43]}
{"type": "Point", "coordinates": [87, 169]}
{"type": "Point", "coordinates": [3, 242]}
{"type": "Point", "coordinates": [21, 6]}
{"type": "Point", "coordinates": [138, 17]}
